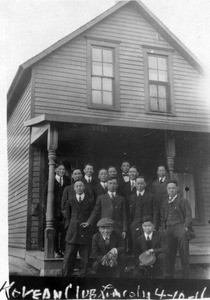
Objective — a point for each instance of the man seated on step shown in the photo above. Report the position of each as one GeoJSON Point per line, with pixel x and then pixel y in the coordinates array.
{"type": "Point", "coordinates": [108, 250]}
{"type": "Point", "coordinates": [151, 252]}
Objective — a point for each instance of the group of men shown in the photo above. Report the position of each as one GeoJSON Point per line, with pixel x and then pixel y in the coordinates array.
{"type": "Point", "coordinates": [116, 215]}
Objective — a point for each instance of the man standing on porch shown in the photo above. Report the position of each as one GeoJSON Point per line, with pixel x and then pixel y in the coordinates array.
{"type": "Point", "coordinates": [111, 206]}
{"type": "Point", "coordinates": [176, 222]}
{"type": "Point", "coordinates": [78, 237]}
{"type": "Point", "coordinates": [60, 183]}
{"type": "Point", "coordinates": [101, 187]}
{"type": "Point", "coordinates": [124, 177]}
{"type": "Point", "coordinates": [159, 188]}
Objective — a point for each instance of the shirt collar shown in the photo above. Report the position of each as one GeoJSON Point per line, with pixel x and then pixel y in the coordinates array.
{"type": "Point", "coordinates": [88, 178]}
{"type": "Point", "coordinates": [110, 193]}
{"type": "Point", "coordinates": [172, 199]}
{"type": "Point", "coordinates": [162, 178]}
{"type": "Point", "coordinates": [104, 184]}
{"type": "Point", "coordinates": [140, 193]}
{"type": "Point", "coordinates": [82, 196]}
{"type": "Point", "coordinates": [150, 235]}
{"type": "Point", "coordinates": [58, 178]}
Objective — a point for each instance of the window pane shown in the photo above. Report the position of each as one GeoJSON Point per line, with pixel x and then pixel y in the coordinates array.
{"type": "Point", "coordinates": [96, 83]}
{"type": "Point", "coordinates": [152, 61]}
{"type": "Point", "coordinates": [96, 97]}
{"type": "Point", "coordinates": [107, 56]}
{"type": "Point", "coordinates": [107, 98]}
{"type": "Point", "coordinates": [162, 63]}
{"type": "Point", "coordinates": [162, 105]}
{"type": "Point", "coordinates": [162, 76]}
{"type": "Point", "coordinates": [97, 68]}
{"type": "Point", "coordinates": [96, 54]}
{"type": "Point", "coordinates": [153, 104]}
{"type": "Point", "coordinates": [153, 90]}
{"type": "Point", "coordinates": [107, 69]}
{"type": "Point", "coordinates": [153, 75]}
{"type": "Point", "coordinates": [107, 84]}
{"type": "Point", "coordinates": [162, 92]}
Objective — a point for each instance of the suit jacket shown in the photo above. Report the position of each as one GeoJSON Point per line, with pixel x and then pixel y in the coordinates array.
{"type": "Point", "coordinates": [98, 190]}
{"type": "Point", "coordinates": [58, 192]}
{"type": "Point", "coordinates": [140, 207]}
{"type": "Point", "coordinates": [69, 193]}
{"type": "Point", "coordinates": [158, 243]}
{"type": "Point", "coordinates": [122, 189]}
{"type": "Point", "coordinates": [127, 189]}
{"type": "Point", "coordinates": [99, 248]}
{"type": "Point", "coordinates": [76, 214]}
{"type": "Point", "coordinates": [159, 190]}
{"type": "Point", "coordinates": [113, 209]}
{"type": "Point", "coordinates": [91, 184]}
{"type": "Point", "coordinates": [184, 210]}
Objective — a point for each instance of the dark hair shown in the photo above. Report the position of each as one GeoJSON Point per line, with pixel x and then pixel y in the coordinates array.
{"type": "Point", "coordinates": [173, 181]}
{"type": "Point", "coordinates": [75, 170]}
{"type": "Point", "coordinates": [142, 177]}
{"type": "Point", "coordinates": [147, 219]}
{"type": "Point", "coordinates": [111, 177]}
{"type": "Point", "coordinates": [125, 161]}
{"type": "Point", "coordinates": [88, 164]}
{"type": "Point", "coordinates": [161, 166]}
{"type": "Point", "coordinates": [59, 164]}
{"type": "Point", "coordinates": [133, 166]}
{"type": "Point", "coordinates": [79, 180]}
{"type": "Point", "coordinates": [102, 169]}
{"type": "Point", "coordinates": [111, 167]}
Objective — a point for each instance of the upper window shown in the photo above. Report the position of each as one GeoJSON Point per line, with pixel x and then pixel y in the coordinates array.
{"type": "Point", "coordinates": [103, 75]}
{"type": "Point", "coordinates": [158, 83]}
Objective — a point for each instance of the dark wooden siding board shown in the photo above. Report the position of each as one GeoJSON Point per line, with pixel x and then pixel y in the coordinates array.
{"type": "Point", "coordinates": [205, 183]}
{"type": "Point", "coordinates": [18, 159]}
{"type": "Point", "coordinates": [66, 70]}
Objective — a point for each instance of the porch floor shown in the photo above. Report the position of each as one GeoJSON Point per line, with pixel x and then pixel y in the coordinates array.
{"type": "Point", "coordinates": [35, 264]}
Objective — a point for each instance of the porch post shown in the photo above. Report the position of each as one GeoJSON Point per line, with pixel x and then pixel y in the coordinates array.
{"type": "Point", "coordinates": [170, 153]}
{"type": "Point", "coordinates": [52, 143]}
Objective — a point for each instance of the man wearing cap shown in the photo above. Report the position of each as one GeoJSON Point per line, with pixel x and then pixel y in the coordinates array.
{"type": "Point", "coordinates": [152, 247]}
{"type": "Point", "coordinates": [108, 250]}
{"type": "Point", "coordinates": [111, 206]}
{"type": "Point", "coordinates": [78, 210]}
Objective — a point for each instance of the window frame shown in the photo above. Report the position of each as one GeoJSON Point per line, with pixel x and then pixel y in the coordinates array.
{"type": "Point", "coordinates": [150, 51]}
{"type": "Point", "coordinates": [115, 47]}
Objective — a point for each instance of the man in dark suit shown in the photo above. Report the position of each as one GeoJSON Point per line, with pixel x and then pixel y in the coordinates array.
{"type": "Point", "coordinates": [151, 243]}
{"type": "Point", "coordinates": [141, 204]}
{"type": "Point", "coordinates": [88, 175]}
{"type": "Point", "coordinates": [78, 210]}
{"type": "Point", "coordinates": [69, 191]}
{"type": "Point", "coordinates": [111, 206]}
{"type": "Point", "coordinates": [159, 188]}
{"type": "Point", "coordinates": [60, 183]}
{"type": "Point", "coordinates": [108, 250]}
{"type": "Point", "coordinates": [101, 187]}
{"type": "Point", "coordinates": [129, 187]}
{"type": "Point", "coordinates": [123, 178]}
{"type": "Point", "coordinates": [176, 222]}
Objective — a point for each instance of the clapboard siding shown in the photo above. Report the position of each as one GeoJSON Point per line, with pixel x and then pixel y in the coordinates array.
{"type": "Point", "coordinates": [35, 199]}
{"type": "Point", "coordinates": [205, 183]}
{"type": "Point", "coordinates": [61, 78]}
{"type": "Point", "coordinates": [18, 164]}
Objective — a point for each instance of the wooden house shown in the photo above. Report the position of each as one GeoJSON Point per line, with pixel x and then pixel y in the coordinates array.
{"type": "Point", "coordinates": [120, 87]}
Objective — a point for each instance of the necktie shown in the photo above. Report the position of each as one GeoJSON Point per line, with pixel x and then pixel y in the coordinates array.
{"type": "Point", "coordinates": [107, 241]}
{"type": "Point", "coordinates": [161, 180]}
{"type": "Point", "coordinates": [112, 196]}
{"type": "Point", "coordinates": [80, 200]}
{"type": "Point", "coordinates": [132, 184]}
{"type": "Point", "coordinates": [61, 181]}
{"type": "Point", "coordinates": [149, 244]}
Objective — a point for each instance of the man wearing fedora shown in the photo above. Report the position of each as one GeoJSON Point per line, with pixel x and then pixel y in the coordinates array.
{"type": "Point", "coordinates": [151, 250]}
{"type": "Point", "coordinates": [108, 250]}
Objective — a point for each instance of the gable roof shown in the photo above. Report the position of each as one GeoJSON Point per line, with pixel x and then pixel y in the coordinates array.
{"type": "Point", "coordinates": [23, 74]}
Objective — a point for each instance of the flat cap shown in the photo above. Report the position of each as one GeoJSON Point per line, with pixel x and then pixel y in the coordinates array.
{"type": "Point", "coordinates": [105, 222]}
